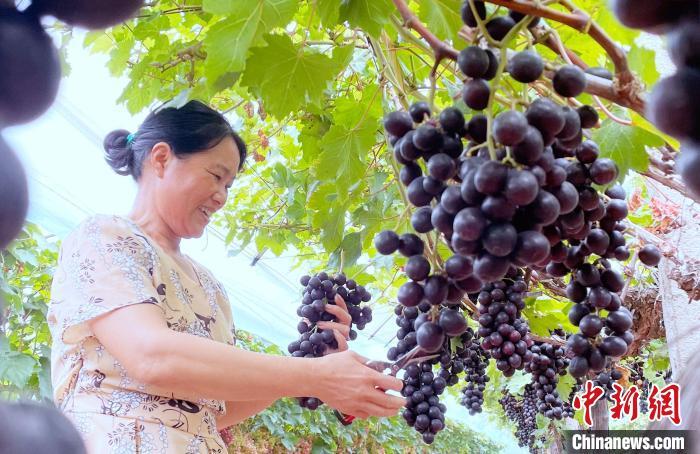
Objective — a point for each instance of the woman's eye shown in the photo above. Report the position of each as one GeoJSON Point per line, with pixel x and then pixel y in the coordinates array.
{"type": "Point", "coordinates": [215, 176]}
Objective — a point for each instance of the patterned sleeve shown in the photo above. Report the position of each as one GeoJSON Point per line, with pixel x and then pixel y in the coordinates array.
{"type": "Point", "coordinates": [102, 266]}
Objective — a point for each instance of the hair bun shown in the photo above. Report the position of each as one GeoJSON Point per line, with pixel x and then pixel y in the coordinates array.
{"type": "Point", "coordinates": [117, 152]}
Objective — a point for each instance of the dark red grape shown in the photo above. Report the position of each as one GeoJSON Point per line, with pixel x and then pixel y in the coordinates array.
{"type": "Point", "coordinates": [546, 116]}
{"type": "Point", "coordinates": [499, 26]}
{"type": "Point", "coordinates": [419, 111]}
{"type": "Point", "coordinates": [441, 167]}
{"type": "Point", "coordinates": [603, 171]}
{"type": "Point", "coordinates": [452, 322]}
{"type": "Point", "coordinates": [493, 65]}
{"type": "Point", "coordinates": [468, 15]}
{"type": "Point", "coordinates": [590, 325]}
{"type": "Point", "coordinates": [416, 194]}
{"type": "Point", "coordinates": [409, 172]}
{"type": "Point", "coordinates": [673, 106]}
{"type": "Point", "coordinates": [410, 294]}
{"type": "Point", "coordinates": [90, 14]}
{"type": "Point", "coordinates": [532, 247]}
{"type": "Point", "coordinates": [430, 337]}
{"type": "Point", "coordinates": [458, 267]}
{"type": "Point", "coordinates": [452, 120]}
{"type": "Point", "coordinates": [473, 62]}
{"type": "Point", "coordinates": [476, 128]}
{"type": "Point", "coordinates": [410, 244]}
{"type": "Point", "coordinates": [578, 367]}
{"type": "Point", "coordinates": [491, 177]}
{"type": "Point", "coordinates": [499, 239]}
{"type": "Point", "coordinates": [688, 165]}
{"type": "Point", "coordinates": [529, 150]}
{"type": "Point", "coordinates": [489, 268]}
{"type": "Point", "coordinates": [398, 123]}
{"type": "Point", "coordinates": [475, 94]}
{"type": "Point", "coordinates": [451, 200]}
{"type": "Point", "coordinates": [569, 81]}
{"type": "Point", "coordinates": [649, 255]}
{"type": "Point", "coordinates": [15, 196]}
{"type": "Point", "coordinates": [469, 224]}
{"type": "Point", "coordinates": [386, 242]}
{"type": "Point", "coordinates": [521, 187]}
{"type": "Point", "coordinates": [684, 44]}
{"type": "Point", "coordinates": [417, 268]}
{"type": "Point", "coordinates": [31, 68]}
{"type": "Point", "coordinates": [420, 220]}
{"type": "Point", "coordinates": [427, 138]}
{"type": "Point", "coordinates": [526, 66]}
{"type": "Point", "coordinates": [588, 115]}
{"type": "Point", "coordinates": [510, 127]}
{"type": "Point", "coordinates": [649, 14]}
{"type": "Point", "coordinates": [572, 124]}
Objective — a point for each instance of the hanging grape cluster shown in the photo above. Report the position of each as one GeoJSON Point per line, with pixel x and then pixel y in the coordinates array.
{"type": "Point", "coordinates": [511, 191]}
{"type": "Point", "coordinates": [523, 412]}
{"type": "Point", "coordinates": [320, 290]}
{"type": "Point", "coordinates": [547, 364]}
{"type": "Point", "coordinates": [673, 105]}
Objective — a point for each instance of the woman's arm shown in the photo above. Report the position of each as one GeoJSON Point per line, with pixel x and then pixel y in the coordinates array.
{"type": "Point", "coordinates": [192, 365]}
{"type": "Point", "coordinates": [240, 411]}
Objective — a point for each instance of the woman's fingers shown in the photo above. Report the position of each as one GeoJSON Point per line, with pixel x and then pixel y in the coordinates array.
{"type": "Point", "coordinates": [388, 382]}
{"type": "Point", "coordinates": [342, 343]}
{"type": "Point", "coordinates": [343, 329]}
{"type": "Point", "coordinates": [341, 314]}
{"type": "Point", "coordinates": [340, 302]}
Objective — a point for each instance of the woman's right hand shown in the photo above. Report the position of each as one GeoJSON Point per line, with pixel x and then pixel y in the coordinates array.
{"type": "Point", "coordinates": [346, 384]}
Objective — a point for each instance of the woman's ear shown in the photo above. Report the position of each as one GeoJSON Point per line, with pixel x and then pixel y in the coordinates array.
{"type": "Point", "coordinates": [159, 158]}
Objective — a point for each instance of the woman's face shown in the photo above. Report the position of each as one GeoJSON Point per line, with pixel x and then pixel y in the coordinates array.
{"type": "Point", "coordinates": [190, 190]}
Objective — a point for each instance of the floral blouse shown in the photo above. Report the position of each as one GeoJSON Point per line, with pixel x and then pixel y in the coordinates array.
{"type": "Point", "coordinates": [107, 263]}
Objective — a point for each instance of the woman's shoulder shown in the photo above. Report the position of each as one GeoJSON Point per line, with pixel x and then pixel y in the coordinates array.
{"type": "Point", "coordinates": [105, 229]}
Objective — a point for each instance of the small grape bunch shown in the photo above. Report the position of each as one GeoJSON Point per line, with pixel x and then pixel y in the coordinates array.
{"type": "Point", "coordinates": [321, 290]}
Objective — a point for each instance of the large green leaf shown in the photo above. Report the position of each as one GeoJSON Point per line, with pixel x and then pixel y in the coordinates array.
{"type": "Point", "coordinates": [626, 146]}
{"type": "Point", "coordinates": [287, 77]}
{"type": "Point", "coordinates": [369, 15]}
{"type": "Point", "coordinates": [349, 140]}
{"type": "Point", "coordinates": [442, 17]}
{"type": "Point", "coordinates": [228, 41]}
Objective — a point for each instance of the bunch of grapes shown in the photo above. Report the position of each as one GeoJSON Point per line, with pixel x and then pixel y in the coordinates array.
{"type": "Point", "coordinates": [523, 412]}
{"type": "Point", "coordinates": [673, 105]}
{"type": "Point", "coordinates": [453, 364]}
{"type": "Point", "coordinates": [435, 295]}
{"type": "Point", "coordinates": [475, 361]}
{"type": "Point", "coordinates": [638, 379]}
{"type": "Point", "coordinates": [504, 334]}
{"type": "Point", "coordinates": [423, 411]}
{"type": "Point", "coordinates": [547, 364]}
{"type": "Point", "coordinates": [320, 290]}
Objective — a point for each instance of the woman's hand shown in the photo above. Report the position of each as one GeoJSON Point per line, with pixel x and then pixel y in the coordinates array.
{"type": "Point", "coordinates": [346, 384]}
{"type": "Point", "coordinates": [341, 327]}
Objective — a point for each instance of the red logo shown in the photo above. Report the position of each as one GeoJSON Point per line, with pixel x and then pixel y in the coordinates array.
{"type": "Point", "coordinates": [665, 402]}
{"type": "Point", "coordinates": [588, 398]}
{"type": "Point", "coordinates": [626, 402]}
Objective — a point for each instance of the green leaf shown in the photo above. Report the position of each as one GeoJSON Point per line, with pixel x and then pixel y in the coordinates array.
{"type": "Point", "coordinates": [369, 15]}
{"type": "Point", "coordinates": [351, 246]}
{"type": "Point", "coordinates": [642, 61]}
{"type": "Point", "coordinates": [565, 385]}
{"type": "Point", "coordinates": [643, 123]}
{"type": "Point", "coordinates": [516, 383]}
{"type": "Point", "coordinates": [286, 76]}
{"type": "Point", "coordinates": [329, 11]}
{"type": "Point", "coordinates": [442, 17]}
{"type": "Point", "coordinates": [626, 146]}
{"type": "Point", "coordinates": [228, 41]}
{"type": "Point", "coordinates": [16, 367]}
{"type": "Point", "coordinates": [333, 226]}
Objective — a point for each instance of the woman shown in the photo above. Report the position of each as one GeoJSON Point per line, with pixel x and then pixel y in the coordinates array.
{"type": "Point", "coordinates": [144, 358]}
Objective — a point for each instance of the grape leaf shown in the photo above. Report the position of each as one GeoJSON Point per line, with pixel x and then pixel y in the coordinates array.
{"type": "Point", "coordinates": [516, 383]}
{"type": "Point", "coordinates": [16, 367]}
{"type": "Point", "coordinates": [369, 15]}
{"type": "Point", "coordinates": [350, 139]}
{"type": "Point", "coordinates": [287, 77]}
{"type": "Point", "coordinates": [328, 11]}
{"type": "Point", "coordinates": [626, 146]}
{"type": "Point", "coordinates": [351, 246]}
{"type": "Point", "coordinates": [228, 41]}
{"type": "Point", "coordinates": [642, 62]}
{"type": "Point", "coordinates": [442, 18]}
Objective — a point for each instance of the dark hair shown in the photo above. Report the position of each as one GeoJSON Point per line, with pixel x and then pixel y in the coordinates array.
{"type": "Point", "coordinates": [189, 129]}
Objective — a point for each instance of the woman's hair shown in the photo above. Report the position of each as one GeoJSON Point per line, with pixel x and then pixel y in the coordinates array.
{"type": "Point", "coordinates": [189, 129]}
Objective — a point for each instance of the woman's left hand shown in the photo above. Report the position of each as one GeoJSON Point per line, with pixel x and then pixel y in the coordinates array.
{"type": "Point", "coordinates": [341, 327]}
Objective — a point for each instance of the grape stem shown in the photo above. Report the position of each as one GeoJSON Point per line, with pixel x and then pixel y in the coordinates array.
{"type": "Point", "coordinates": [629, 96]}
